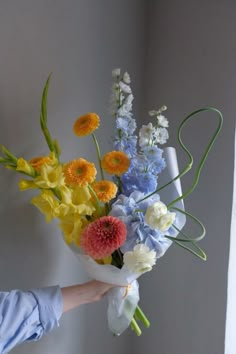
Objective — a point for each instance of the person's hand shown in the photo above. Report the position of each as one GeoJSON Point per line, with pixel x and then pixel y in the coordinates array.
{"type": "Point", "coordinates": [76, 295]}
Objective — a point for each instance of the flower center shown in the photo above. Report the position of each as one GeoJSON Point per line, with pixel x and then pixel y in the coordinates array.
{"type": "Point", "coordinates": [79, 171]}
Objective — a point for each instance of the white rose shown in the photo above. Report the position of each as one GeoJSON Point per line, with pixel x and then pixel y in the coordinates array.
{"type": "Point", "coordinates": [166, 221]}
{"type": "Point", "coordinates": [154, 213]}
{"type": "Point", "coordinates": [140, 260]}
{"type": "Point", "coordinates": [158, 217]}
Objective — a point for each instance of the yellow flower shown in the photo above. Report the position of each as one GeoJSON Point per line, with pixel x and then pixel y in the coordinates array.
{"type": "Point", "coordinates": [71, 226]}
{"type": "Point", "coordinates": [50, 177]}
{"type": "Point", "coordinates": [105, 190]}
{"type": "Point", "coordinates": [115, 162]}
{"type": "Point", "coordinates": [75, 201]}
{"type": "Point", "coordinates": [46, 203]}
{"type": "Point", "coordinates": [86, 124]}
{"type": "Point", "coordinates": [79, 172]}
{"type": "Point", "coordinates": [26, 184]}
{"type": "Point", "coordinates": [24, 166]}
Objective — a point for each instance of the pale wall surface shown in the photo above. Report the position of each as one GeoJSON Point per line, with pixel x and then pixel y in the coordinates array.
{"type": "Point", "coordinates": [80, 42]}
{"type": "Point", "coordinates": [190, 54]}
{"type": "Point", "coordinates": [191, 64]}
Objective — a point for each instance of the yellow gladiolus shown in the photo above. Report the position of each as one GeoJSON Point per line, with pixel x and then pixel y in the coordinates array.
{"type": "Point", "coordinates": [24, 166]}
{"type": "Point", "coordinates": [25, 184]}
{"type": "Point", "coordinates": [71, 226]}
{"type": "Point", "coordinates": [46, 203]}
{"type": "Point", "coordinates": [75, 201]}
{"type": "Point", "coordinates": [50, 177]}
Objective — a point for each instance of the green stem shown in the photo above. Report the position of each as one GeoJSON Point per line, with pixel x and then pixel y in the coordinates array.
{"type": "Point", "coordinates": [141, 316]}
{"type": "Point", "coordinates": [190, 163]}
{"type": "Point", "coordinates": [10, 156]}
{"type": "Point", "coordinates": [186, 239]}
{"type": "Point", "coordinates": [205, 154]}
{"type": "Point", "coordinates": [98, 154]}
{"type": "Point", "coordinates": [201, 254]}
{"type": "Point", "coordinates": [120, 186]}
{"type": "Point", "coordinates": [196, 220]}
{"type": "Point", "coordinates": [96, 199]}
{"type": "Point", "coordinates": [57, 193]}
{"type": "Point", "coordinates": [135, 327]}
{"type": "Point", "coordinates": [6, 161]}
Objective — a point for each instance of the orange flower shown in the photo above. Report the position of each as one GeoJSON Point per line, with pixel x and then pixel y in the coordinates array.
{"type": "Point", "coordinates": [115, 162]}
{"type": "Point", "coordinates": [105, 190]}
{"type": "Point", "coordinates": [37, 162]}
{"type": "Point", "coordinates": [79, 172]}
{"type": "Point", "coordinates": [86, 124]}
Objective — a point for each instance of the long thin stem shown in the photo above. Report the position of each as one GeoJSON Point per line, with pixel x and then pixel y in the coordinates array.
{"type": "Point", "coordinates": [142, 317]}
{"type": "Point", "coordinates": [96, 199]}
{"type": "Point", "coordinates": [196, 220]}
{"type": "Point", "coordinates": [190, 163]}
{"type": "Point", "coordinates": [205, 154]}
{"type": "Point", "coordinates": [135, 327]}
{"type": "Point", "coordinates": [98, 154]}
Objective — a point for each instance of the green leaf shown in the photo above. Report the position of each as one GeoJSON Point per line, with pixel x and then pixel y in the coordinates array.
{"type": "Point", "coordinates": [43, 118]}
{"type": "Point", "coordinates": [9, 155]}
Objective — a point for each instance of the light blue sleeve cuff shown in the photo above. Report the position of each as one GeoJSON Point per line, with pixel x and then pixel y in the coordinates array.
{"type": "Point", "coordinates": [50, 306]}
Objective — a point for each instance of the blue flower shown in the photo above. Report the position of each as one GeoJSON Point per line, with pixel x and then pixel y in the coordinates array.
{"type": "Point", "coordinates": [152, 153]}
{"type": "Point", "coordinates": [132, 212]}
{"type": "Point", "coordinates": [126, 124]}
{"type": "Point", "coordinates": [135, 180]}
{"type": "Point", "coordinates": [127, 144]}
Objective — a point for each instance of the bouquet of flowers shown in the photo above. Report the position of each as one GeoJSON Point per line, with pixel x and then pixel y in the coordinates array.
{"type": "Point", "coordinates": [117, 226]}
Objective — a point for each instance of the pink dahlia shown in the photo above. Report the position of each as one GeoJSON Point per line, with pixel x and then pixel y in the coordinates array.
{"type": "Point", "coordinates": [103, 236]}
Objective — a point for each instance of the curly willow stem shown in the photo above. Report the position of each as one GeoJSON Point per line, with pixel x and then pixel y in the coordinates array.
{"type": "Point", "coordinates": [186, 239]}
{"type": "Point", "coordinates": [190, 163]}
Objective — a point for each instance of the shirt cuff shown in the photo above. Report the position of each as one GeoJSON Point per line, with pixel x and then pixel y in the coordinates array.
{"type": "Point", "coordinates": [50, 306]}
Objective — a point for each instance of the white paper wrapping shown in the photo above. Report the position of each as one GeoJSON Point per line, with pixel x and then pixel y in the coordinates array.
{"type": "Point", "coordinates": [123, 300]}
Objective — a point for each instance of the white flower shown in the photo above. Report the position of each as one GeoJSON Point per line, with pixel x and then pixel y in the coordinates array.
{"type": "Point", "coordinates": [124, 111]}
{"type": "Point", "coordinates": [158, 217]}
{"type": "Point", "coordinates": [157, 113]}
{"type": "Point", "coordinates": [166, 221]}
{"type": "Point", "coordinates": [143, 141]}
{"type": "Point", "coordinates": [129, 99]}
{"type": "Point", "coordinates": [161, 135]}
{"type": "Point", "coordinates": [154, 213]}
{"type": "Point", "coordinates": [153, 113]}
{"type": "Point", "coordinates": [116, 72]}
{"type": "Point", "coordinates": [125, 88]}
{"type": "Point", "coordinates": [126, 78]}
{"type": "Point", "coordinates": [146, 134]}
{"type": "Point", "coordinates": [147, 131]}
{"type": "Point", "coordinates": [162, 121]}
{"type": "Point", "coordinates": [140, 260]}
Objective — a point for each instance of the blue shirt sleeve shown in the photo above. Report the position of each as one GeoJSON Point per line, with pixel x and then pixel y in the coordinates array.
{"type": "Point", "coordinates": [27, 316]}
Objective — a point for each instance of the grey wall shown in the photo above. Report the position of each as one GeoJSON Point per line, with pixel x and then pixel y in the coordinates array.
{"type": "Point", "coordinates": [80, 42]}
{"type": "Point", "coordinates": [191, 64]}
{"type": "Point", "coordinates": [179, 53]}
